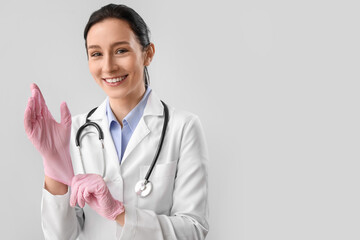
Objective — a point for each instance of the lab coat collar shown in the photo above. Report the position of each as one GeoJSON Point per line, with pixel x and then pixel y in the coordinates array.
{"type": "Point", "coordinates": [153, 108]}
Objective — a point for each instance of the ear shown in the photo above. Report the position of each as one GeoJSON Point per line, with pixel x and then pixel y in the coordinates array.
{"type": "Point", "coordinates": [149, 54]}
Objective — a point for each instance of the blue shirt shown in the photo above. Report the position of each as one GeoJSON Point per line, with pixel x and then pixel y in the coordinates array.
{"type": "Point", "coordinates": [121, 137]}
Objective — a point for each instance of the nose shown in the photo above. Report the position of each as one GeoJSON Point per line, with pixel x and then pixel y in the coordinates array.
{"type": "Point", "coordinates": [110, 64]}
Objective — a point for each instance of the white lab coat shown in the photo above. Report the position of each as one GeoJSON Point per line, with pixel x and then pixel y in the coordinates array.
{"type": "Point", "coordinates": [177, 207]}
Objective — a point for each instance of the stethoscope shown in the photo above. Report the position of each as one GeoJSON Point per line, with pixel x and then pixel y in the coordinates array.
{"type": "Point", "coordinates": [143, 187]}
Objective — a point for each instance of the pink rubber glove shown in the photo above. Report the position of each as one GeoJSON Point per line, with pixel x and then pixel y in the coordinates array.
{"type": "Point", "coordinates": [92, 189]}
{"type": "Point", "coordinates": [51, 139]}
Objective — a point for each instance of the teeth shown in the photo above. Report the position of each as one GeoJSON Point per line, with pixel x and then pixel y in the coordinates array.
{"type": "Point", "coordinates": [113, 80]}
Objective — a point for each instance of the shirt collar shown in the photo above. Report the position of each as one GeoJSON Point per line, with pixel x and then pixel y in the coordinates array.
{"type": "Point", "coordinates": [134, 116]}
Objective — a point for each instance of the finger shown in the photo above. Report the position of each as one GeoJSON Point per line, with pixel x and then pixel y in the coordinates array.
{"type": "Point", "coordinates": [94, 181]}
{"type": "Point", "coordinates": [101, 186]}
{"type": "Point", "coordinates": [65, 114]}
{"type": "Point", "coordinates": [32, 108]}
{"type": "Point", "coordinates": [91, 186]}
{"type": "Point", "coordinates": [33, 86]}
{"type": "Point", "coordinates": [74, 190]}
{"type": "Point", "coordinates": [88, 195]}
{"type": "Point", "coordinates": [80, 198]}
{"type": "Point", "coordinates": [41, 107]}
{"type": "Point", "coordinates": [28, 117]}
{"type": "Point", "coordinates": [37, 101]}
{"type": "Point", "coordinates": [73, 196]}
{"type": "Point", "coordinates": [78, 178]}
{"type": "Point", "coordinates": [75, 184]}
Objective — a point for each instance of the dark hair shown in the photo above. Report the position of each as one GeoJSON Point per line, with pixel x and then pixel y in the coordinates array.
{"type": "Point", "coordinates": [122, 12]}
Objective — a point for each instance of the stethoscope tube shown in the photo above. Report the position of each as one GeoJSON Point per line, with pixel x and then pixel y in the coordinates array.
{"type": "Point", "coordinates": [166, 120]}
{"type": "Point", "coordinates": [143, 187]}
{"type": "Point", "coordinates": [88, 123]}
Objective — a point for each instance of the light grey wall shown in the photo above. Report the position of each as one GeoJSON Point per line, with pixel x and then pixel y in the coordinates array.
{"type": "Point", "coordinates": [275, 83]}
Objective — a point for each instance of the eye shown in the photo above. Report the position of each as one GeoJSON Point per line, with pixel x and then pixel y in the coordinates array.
{"type": "Point", "coordinates": [95, 54]}
{"type": "Point", "coordinates": [119, 51]}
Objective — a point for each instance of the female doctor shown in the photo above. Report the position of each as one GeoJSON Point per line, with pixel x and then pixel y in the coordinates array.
{"type": "Point", "coordinates": [89, 190]}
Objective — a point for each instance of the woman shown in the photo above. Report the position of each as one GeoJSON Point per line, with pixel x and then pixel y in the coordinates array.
{"type": "Point", "coordinates": [89, 191]}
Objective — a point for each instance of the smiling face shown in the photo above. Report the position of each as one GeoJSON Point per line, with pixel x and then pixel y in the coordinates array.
{"type": "Point", "coordinates": [116, 59]}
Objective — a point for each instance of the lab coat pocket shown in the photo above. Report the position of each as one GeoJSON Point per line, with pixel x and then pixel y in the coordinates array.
{"type": "Point", "coordinates": [162, 179]}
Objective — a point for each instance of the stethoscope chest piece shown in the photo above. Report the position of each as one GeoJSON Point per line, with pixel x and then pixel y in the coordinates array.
{"type": "Point", "coordinates": [143, 188]}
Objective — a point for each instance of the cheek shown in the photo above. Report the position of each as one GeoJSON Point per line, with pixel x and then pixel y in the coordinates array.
{"type": "Point", "coordinates": [94, 69]}
{"type": "Point", "coordinates": [138, 69]}
{"type": "Point", "coordinates": [134, 63]}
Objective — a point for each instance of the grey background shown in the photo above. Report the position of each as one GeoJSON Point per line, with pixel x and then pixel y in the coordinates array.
{"type": "Point", "coordinates": [275, 83]}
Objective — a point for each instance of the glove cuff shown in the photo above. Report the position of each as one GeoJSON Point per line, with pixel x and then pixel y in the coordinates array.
{"type": "Point", "coordinates": [60, 170]}
{"type": "Point", "coordinates": [118, 209]}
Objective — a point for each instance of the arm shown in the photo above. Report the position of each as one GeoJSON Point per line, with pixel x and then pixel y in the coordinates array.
{"type": "Point", "coordinates": [54, 187]}
{"type": "Point", "coordinates": [52, 139]}
{"type": "Point", "coordinates": [58, 219]}
{"type": "Point", "coordinates": [189, 213]}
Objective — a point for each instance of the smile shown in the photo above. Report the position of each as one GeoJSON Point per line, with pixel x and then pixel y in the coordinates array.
{"type": "Point", "coordinates": [116, 79]}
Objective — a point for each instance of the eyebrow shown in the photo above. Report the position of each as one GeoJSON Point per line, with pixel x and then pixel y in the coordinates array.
{"type": "Point", "coordinates": [114, 44]}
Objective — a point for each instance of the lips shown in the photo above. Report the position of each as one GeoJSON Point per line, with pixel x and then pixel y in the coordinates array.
{"type": "Point", "coordinates": [115, 81]}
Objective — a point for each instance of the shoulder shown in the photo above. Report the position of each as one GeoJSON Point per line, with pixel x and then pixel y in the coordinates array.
{"type": "Point", "coordinates": [187, 130]}
{"type": "Point", "coordinates": [184, 123]}
{"type": "Point", "coordinates": [177, 116]}
{"type": "Point", "coordinates": [180, 116]}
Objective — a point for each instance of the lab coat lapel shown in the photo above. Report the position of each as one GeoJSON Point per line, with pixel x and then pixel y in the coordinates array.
{"type": "Point", "coordinates": [141, 131]}
{"type": "Point", "coordinates": [152, 108]}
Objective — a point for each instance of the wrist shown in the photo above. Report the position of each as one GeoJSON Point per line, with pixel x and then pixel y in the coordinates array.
{"type": "Point", "coordinates": [120, 219]}
{"type": "Point", "coordinates": [54, 187]}
{"type": "Point", "coordinates": [51, 158]}
{"type": "Point", "coordinates": [118, 209]}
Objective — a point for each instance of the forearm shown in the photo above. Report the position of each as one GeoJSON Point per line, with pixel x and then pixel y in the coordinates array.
{"type": "Point", "coordinates": [54, 187]}
{"type": "Point", "coordinates": [146, 224]}
{"type": "Point", "coordinates": [58, 219]}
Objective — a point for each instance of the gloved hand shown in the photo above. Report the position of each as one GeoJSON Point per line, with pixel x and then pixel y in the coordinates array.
{"type": "Point", "coordinates": [51, 139]}
{"type": "Point", "coordinates": [92, 189]}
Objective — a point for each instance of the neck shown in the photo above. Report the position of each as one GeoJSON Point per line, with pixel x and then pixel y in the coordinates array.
{"type": "Point", "coordinates": [122, 106]}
